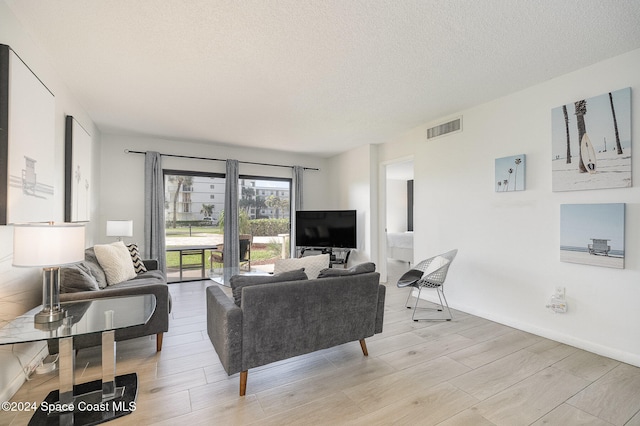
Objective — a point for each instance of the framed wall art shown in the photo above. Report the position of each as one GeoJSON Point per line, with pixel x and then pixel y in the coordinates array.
{"type": "Point", "coordinates": [592, 234]}
{"type": "Point", "coordinates": [591, 143]}
{"type": "Point", "coordinates": [27, 143]}
{"type": "Point", "coordinates": [510, 173]}
{"type": "Point", "coordinates": [77, 167]}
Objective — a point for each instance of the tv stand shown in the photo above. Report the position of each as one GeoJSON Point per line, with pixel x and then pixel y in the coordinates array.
{"type": "Point", "coordinates": [337, 256]}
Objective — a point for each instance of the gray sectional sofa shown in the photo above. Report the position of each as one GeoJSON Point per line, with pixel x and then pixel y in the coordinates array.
{"type": "Point", "coordinates": [274, 319]}
{"type": "Point", "coordinates": [87, 281]}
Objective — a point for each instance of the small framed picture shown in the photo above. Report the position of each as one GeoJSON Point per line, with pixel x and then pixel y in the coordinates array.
{"type": "Point", "coordinates": [510, 173]}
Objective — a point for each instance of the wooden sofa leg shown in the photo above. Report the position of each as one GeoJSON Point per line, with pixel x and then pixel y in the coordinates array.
{"type": "Point", "coordinates": [159, 342]}
{"type": "Point", "coordinates": [243, 382]}
{"type": "Point", "coordinates": [363, 345]}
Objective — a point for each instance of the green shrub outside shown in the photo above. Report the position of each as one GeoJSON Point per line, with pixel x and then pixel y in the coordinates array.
{"type": "Point", "coordinates": [269, 227]}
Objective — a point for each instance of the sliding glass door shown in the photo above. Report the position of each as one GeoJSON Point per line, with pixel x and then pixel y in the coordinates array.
{"type": "Point", "coordinates": [194, 204]}
{"type": "Point", "coordinates": [265, 215]}
{"type": "Point", "coordinates": [194, 218]}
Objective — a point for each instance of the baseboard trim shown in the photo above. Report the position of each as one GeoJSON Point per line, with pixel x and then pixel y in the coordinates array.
{"type": "Point", "coordinates": [12, 376]}
{"type": "Point", "coordinates": [618, 355]}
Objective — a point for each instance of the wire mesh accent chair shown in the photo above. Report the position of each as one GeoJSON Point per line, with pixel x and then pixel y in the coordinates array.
{"type": "Point", "coordinates": [429, 274]}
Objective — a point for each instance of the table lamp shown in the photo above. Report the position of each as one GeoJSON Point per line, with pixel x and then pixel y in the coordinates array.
{"type": "Point", "coordinates": [48, 246]}
{"type": "Point", "coordinates": [120, 228]}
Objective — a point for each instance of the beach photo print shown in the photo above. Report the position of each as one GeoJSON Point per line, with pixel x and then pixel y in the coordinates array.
{"type": "Point", "coordinates": [592, 234]}
{"type": "Point", "coordinates": [591, 143]}
{"type": "Point", "coordinates": [510, 173]}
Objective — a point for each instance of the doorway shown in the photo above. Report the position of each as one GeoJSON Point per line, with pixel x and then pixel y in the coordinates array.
{"type": "Point", "coordinates": [396, 213]}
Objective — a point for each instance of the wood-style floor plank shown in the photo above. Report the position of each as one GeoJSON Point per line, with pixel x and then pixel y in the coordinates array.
{"type": "Point", "coordinates": [614, 398]}
{"type": "Point", "coordinates": [527, 401]}
{"type": "Point", "coordinates": [568, 415]}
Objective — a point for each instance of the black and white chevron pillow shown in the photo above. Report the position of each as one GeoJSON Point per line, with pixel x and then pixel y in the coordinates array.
{"type": "Point", "coordinates": [135, 257]}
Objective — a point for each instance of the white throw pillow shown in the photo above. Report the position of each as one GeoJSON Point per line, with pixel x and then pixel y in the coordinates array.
{"type": "Point", "coordinates": [312, 265]}
{"type": "Point", "coordinates": [436, 263]}
{"type": "Point", "coordinates": [115, 259]}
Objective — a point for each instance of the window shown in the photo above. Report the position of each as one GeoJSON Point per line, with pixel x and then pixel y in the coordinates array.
{"type": "Point", "coordinates": [194, 205]}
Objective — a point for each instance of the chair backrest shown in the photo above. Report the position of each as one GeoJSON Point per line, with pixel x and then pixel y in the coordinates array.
{"type": "Point", "coordinates": [245, 248]}
{"type": "Point", "coordinates": [435, 268]}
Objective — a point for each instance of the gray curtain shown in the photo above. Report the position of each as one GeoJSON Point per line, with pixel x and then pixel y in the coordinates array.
{"type": "Point", "coordinates": [298, 174]}
{"type": "Point", "coordinates": [154, 243]}
{"type": "Point", "coordinates": [231, 250]}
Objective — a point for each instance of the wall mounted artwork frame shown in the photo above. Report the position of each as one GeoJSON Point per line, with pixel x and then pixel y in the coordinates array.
{"type": "Point", "coordinates": [78, 162]}
{"type": "Point", "coordinates": [591, 143]}
{"type": "Point", "coordinates": [510, 173]}
{"type": "Point", "coordinates": [27, 143]}
{"type": "Point", "coordinates": [592, 234]}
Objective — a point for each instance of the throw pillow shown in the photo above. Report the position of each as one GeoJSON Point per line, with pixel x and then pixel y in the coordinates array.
{"type": "Point", "coordinates": [362, 268]}
{"type": "Point", "coordinates": [115, 259]}
{"type": "Point", "coordinates": [312, 265]}
{"type": "Point", "coordinates": [76, 278]}
{"type": "Point", "coordinates": [238, 282]}
{"type": "Point", "coordinates": [135, 257]}
{"type": "Point", "coordinates": [92, 264]}
{"type": "Point", "coordinates": [435, 264]}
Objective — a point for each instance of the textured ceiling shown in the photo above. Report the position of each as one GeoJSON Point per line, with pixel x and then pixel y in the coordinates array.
{"type": "Point", "coordinates": [307, 76]}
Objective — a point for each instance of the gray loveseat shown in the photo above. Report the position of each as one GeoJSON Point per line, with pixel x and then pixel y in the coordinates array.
{"type": "Point", "coordinates": [87, 281]}
{"type": "Point", "coordinates": [279, 320]}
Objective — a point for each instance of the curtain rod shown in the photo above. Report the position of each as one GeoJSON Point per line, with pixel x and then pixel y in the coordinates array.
{"type": "Point", "coordinates": [129, 151]}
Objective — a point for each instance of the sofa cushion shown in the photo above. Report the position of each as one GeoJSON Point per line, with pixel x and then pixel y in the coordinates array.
{"type": "Point", "coordinates": [92, 264]}
{"type": "Point", "coordinates": [312, 265]}
{"type": "Point", "coordinates": [362, 268]}
{"type": "Point", "coordinates": [115, 260]}
{"type": "Point", "coordinates": [238, 282]}
{"type": "Point", "coordinates": [75, 278]}
{"type": "Point", "coordinates": [153, 274]}
{"type": "Point", "coordinates": [138, 265]}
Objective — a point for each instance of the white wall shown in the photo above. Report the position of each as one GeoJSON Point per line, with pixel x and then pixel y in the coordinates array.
{"type": "Point", "coordinates": [122, 186]}
{"type": "Point", "coordinates": [353, 179]}
{"type": "Point", "coordinates": [21, 289]}
{"type": "Point", "coordinates": [396, 205]}
{"type": "Point", "coordinates": [508, 264]}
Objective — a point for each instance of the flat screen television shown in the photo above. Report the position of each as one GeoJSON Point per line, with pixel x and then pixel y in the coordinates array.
{"type": "Point", "coordinates": [326, 228]}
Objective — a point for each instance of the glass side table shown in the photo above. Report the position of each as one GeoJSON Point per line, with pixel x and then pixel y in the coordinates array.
{"type": "Point", "coordinates": [223, 276]}
{"type": "Point", "coordinates": [94, 402]}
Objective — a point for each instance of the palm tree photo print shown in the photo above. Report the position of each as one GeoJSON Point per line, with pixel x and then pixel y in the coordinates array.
{"type": "Point", "coordinates": [591, 143]}
{"type": "Point", "coordinates": [510, 173]}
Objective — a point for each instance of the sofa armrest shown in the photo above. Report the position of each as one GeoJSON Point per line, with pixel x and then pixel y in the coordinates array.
{"type": "Point", "coordinates": [224, 326]}
{"type": "Point", "coordinates": [160, 290]}
{"type": "Point", "coordinates": [150, 264]}
{"type": "Point", "coordinates": [158, 323]}
{"type": "Point", "coordinates": [382, 290]}
{"type": "Point", "coordinates": [128, 288]}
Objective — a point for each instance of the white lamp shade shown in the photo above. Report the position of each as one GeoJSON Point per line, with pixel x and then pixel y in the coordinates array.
{"type": "Point", "coordinates": [48, 245]}
{"type": "Point", "coordinates": [120, 228]}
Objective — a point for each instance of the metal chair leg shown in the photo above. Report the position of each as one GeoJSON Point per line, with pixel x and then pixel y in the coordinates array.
{"type": "Point", "coordinates": [447, 303]}
{"type": "Point", "coordinates": [442, 298]}
{"type": "Point", "coordinates": [415, 307]}
{"type": "Point", "coordinates": [406, 303]}
{"type": "Point", "coordinates": [439, 297]}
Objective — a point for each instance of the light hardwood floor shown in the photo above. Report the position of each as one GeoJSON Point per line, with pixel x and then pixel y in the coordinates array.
{"type": "Point", "coordinates": [466, 372]}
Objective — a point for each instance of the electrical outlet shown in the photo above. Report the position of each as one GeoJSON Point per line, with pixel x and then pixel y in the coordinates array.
{"type": "Point", "coordinates": [560, 292]}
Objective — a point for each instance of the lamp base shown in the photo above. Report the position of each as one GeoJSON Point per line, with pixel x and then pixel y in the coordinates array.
{"type": "Point", "coordinates": [47, 316]}
{"type": "Point", "coordinates": [51, 311]}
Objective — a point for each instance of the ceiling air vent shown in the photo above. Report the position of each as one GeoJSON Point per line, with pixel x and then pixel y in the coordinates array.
{"type": "Point", "coordinates": [452, 126]}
